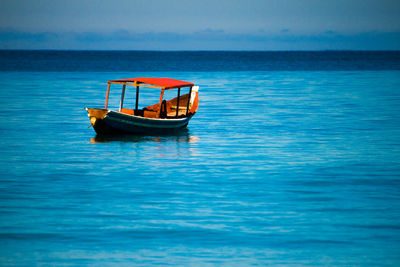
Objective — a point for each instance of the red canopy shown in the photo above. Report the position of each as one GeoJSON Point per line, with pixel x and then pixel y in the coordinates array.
{"type": "Point", "coordinates": [167, 83]}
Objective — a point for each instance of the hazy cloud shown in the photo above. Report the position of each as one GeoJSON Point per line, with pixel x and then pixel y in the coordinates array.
{"type": "Point", "coordinates": [187, 16]}
{"type": "Point", "coordinates": [207, 39]}
{"type": "Point", "coordinates": [190, 24]}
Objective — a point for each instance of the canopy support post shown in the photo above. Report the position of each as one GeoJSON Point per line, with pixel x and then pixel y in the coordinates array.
{"type": "Point", "coordinates": [177, 103]}
{"type": "Point", "coordinates": [108, 93]}
{"type": "Point", "coordinates": [188, 103]}
{"type": "Point", "coordinates": [121, 104]}
{"type": "Point", "coordinates": [159, 104]}
{"type": "Point", "coordinates": [137, 99]}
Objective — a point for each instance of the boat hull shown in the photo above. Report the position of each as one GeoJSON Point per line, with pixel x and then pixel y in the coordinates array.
{"type": "Point", "coordinates": [115, 122]}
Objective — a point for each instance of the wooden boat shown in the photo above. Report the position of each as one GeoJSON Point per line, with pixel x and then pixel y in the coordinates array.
{"type": "Point", "coordinates": [162, 117]}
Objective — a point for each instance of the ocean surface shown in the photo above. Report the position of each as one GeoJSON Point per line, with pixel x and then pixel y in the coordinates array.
{"type": "Point", "coordinates": [293, 159]}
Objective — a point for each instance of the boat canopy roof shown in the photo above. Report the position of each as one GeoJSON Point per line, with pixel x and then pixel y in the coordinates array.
{"type": "Point", "coordinates": [163, 83]}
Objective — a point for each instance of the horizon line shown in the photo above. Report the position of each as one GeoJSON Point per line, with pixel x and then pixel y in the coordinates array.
{"type": "Point", "coordinates": [206, 50]}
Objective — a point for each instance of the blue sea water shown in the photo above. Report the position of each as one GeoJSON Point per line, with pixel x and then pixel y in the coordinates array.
{"type": "Point", "coordinates": [293, 159]}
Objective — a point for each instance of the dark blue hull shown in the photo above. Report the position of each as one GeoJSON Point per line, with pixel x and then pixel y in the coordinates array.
{"type": "Point", "coordinates": [116, 122]}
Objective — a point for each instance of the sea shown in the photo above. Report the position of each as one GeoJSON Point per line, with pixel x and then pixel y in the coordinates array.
{"type": "Point", "coordinates": [293, 159]}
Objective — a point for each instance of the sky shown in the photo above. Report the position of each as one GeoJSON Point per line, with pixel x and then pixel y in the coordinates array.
{"type": "Point", "coordinates": [200, 24]}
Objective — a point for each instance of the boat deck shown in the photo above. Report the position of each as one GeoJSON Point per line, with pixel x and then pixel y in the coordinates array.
{"type": "Point", "coordinates": [168, 109]}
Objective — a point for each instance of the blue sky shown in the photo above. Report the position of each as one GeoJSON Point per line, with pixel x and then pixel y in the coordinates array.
{"type": "Point", "coordinates": [200, 25]}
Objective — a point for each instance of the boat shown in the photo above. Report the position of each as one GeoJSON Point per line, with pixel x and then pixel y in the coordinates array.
{"type": "Point", "coordinates": [162, 117]}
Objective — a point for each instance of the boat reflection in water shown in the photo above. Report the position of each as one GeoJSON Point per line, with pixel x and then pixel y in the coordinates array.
{"type": "Point", "coordinates": [182, 136]}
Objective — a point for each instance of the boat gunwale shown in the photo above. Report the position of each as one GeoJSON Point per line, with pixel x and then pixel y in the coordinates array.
{"type": "Point", "coordinates": [146, 118]}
